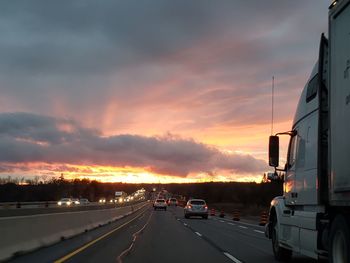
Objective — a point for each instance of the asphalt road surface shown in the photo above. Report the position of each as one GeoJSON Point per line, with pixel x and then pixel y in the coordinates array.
{"type": "Point", "coordinates": [164, 236]}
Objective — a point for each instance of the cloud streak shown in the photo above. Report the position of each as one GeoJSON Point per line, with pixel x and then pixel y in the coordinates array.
{"type": "Point", "coordinates": [30, 138]}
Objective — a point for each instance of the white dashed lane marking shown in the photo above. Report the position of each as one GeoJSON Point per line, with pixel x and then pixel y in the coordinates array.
{"type": "Point", "coordinates": [232, 224]}
{"type": "Point", "coordinates": [258, 231]}
{"type": "Point", "coordinates": [244, 227]}
{"type": "Point", "coordinates": [198, 234]}
{"type": "Point", "coordinates": [232, 258]}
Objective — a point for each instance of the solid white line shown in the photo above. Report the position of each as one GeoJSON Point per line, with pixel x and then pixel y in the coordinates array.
{"type": "Point", "coordinates": [232, 258]}
{"type": "Point", "coordinates": [258, 231]}
{"type": "Point", "coordinates": [232, 224]}
{"type": "Point", "coordinates": [198, 234]}
{"type": "Point", "coordinates": [243, 227]}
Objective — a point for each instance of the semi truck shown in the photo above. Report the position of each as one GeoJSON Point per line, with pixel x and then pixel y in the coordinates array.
{"type": "Point", "coordinates": [312, 217]}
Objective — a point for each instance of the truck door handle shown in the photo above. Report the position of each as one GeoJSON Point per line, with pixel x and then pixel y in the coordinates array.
{"type": "Point", "coordinates": [287, 212]}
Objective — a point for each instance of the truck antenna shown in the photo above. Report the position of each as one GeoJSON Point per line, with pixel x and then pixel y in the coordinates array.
{"type": "Point", "coordinates": [272, 102]}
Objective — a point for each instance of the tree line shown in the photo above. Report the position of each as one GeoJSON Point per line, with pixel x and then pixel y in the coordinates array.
{"type": "Point", "coordinates": [213, 192]}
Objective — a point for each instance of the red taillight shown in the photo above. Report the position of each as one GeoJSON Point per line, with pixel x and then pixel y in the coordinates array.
{"type": "Point", "coordinates": [205, 207]}
{"type": "Point", "coordinates": [189, 206]}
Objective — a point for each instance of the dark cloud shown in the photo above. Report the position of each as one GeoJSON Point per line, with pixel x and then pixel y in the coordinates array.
{"type": "Point", "coordinates": [41, 129]}
{"type": "Point", "coordinates": [89, 37]}
{"type": "Point", "coordinates": [21, 137]}
{"type": "Point", "coordinates": [93, 37]}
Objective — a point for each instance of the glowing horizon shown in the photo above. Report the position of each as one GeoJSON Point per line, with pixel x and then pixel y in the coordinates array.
{"type": "Point", "coordinates": [109, 174]}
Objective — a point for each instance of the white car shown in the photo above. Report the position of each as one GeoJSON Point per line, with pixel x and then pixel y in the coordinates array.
{"type": "Point", "coordinates": [65, 202]}
{"type": "Point", "coordinates": [84, 201]}
{"type": "Point", "coordinates": [196, 207]}
{"type": "Point", "coordinates": [160, 204]}
{"type": "Point", "coordinates": [75, 201]}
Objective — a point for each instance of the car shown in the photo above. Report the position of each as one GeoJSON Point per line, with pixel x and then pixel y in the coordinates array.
{"type": "Point", "coordinates": [159, 204]}
{"type": "Point", "coordinates": [102, 200]}
{"type": "Point", "coordinates": [196, 207]}
{"type": "Point", "coordinates": [84, 201]}
{"type": "Point", "coordinates": [172, 202]}
{"type": "Point", "coordinates": [65, 202]}
{"type": "Point", "coordinates": [75, 201]}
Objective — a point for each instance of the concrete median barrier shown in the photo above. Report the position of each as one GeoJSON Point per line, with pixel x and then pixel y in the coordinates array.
{"type": "Point", "coordinates": [25, 233]}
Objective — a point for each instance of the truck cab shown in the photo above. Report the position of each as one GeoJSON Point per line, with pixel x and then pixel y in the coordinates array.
{"type": "Point", "coordinates": [313, 215]}
{"type": "Point", "coordinates": [297, 209]}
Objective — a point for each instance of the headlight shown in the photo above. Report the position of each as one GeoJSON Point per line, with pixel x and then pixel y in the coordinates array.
{"type": "Point", "coordinates": [59, 203]}
{"type": "Point", "coordinates": [68, 203]}
{"type": "Point", "coordinates": [77, 202]}
{"type": "Point", "coordinates": [120, 200]}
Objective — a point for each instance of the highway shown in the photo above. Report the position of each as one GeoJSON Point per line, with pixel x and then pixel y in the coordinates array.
{"type": "Point", "coordinates": [163, 236]}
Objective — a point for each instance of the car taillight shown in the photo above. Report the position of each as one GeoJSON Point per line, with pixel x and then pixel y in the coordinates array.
{"type": "Point", "coordinates": [205, 207]}
{"type": "Point", "coordinates": [189, 206]}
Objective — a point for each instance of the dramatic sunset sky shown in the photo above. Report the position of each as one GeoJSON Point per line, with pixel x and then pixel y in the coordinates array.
{"type": "Point", "coordinates": [150, 91]}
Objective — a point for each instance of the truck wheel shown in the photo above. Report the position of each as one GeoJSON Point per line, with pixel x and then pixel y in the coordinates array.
{"type": "Point", "coordinates": [280, 253]}
{"type": "Point", "coordinates": [339, 246]}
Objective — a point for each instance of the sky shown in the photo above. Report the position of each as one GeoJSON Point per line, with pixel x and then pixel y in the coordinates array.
{"type": "Point", "coordinates": [150, 91]}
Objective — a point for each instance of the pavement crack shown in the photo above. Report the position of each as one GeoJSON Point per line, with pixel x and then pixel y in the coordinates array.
{"type": "Point", "coordinates": [135, 235]}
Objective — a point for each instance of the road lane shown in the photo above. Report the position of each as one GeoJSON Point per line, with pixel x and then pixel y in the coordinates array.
{"type": "Point", "coordinates": [109, 248]}
{"type": "Point", "coordinates": [246, 246]}
{"type": "Point", "coordinates": [168, 240]}
{"type": "Point", "coordinates": [245, 241]}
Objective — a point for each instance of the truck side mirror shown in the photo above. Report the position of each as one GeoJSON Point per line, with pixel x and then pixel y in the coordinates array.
{"type": "Point", "coordinates": [274, 151]}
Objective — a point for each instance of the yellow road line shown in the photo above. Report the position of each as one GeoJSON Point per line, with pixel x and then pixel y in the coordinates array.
{"type": "Point", "coordinates": [68, 256]}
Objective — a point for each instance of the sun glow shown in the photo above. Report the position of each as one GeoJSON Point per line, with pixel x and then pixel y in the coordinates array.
{"type": "Point", "coordinates": [109, 174]}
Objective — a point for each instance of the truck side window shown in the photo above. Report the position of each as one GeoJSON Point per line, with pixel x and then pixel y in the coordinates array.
{"type": "Point", "coordinates": [292, 151]}
{"type": "Point", "coordinates": [312, 89]}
